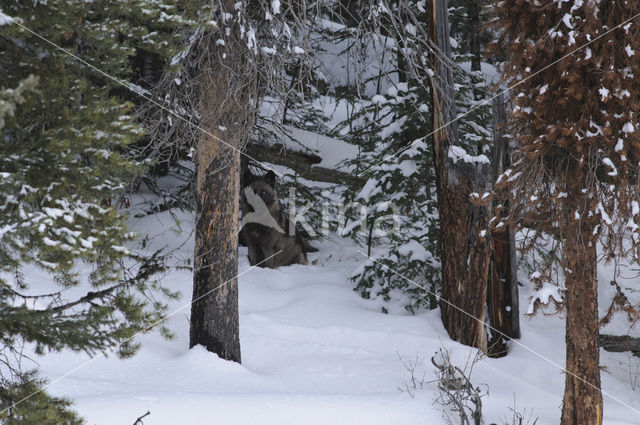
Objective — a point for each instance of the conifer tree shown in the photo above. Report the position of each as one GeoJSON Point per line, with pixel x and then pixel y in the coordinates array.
{"type": "Point", "coordinates": [234, 64]}
{"type": "Point", "coordinates": [395, 120]}
{"type": "Point", "coordinates": [14, 385]}
{"type": "Point", "coordinates": [460, 177]}
{"type": "Point", "coordinates": [226, 78]}
{"type": "Point", "coordinates": [63, 171]}
{"type": "Point", "coordinates": [399, 228]}
{"type": "Point", "coordinates": [578, 146]}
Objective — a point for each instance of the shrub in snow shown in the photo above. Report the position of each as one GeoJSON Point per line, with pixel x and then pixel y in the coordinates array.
{"type": "Point", "coordinates": [459, 397]}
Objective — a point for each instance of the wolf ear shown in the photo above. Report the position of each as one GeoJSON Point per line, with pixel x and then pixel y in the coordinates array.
{"type": "Point", "coordinates": [270, 178]}
{"type": "Point", "coordinates": [247, 178]}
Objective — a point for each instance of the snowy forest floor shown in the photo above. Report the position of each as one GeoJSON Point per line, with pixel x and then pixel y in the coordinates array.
{"type": "Point", "coordinates": [315, 352]}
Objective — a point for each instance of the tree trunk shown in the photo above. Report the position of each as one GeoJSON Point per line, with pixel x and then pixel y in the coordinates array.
{"type": "Point", "coordinates": [582, 403]}
{"type": "Point", "coordinates": [227, 106]}
{"type": "Point", "coordinates": [502, 288]}
{"type": "Point", "coordinates": [502, 293]}
{"type": "Point", "coordinates": [464, 253]}
{"type": "Point", "coordinates": [214, 317]}
{"type": "Point", "coordinates": [474, 31]}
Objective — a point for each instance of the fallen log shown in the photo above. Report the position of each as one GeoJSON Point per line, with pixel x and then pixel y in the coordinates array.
{"type": "Point", "coordinates": [620, 343]}
{"type": "Point", "coordinates": [303, 163]}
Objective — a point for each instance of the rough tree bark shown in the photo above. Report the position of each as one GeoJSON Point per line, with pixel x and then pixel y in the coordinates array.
{"type": "Point", "coordinates": [580, 184]}
{"type": "Point", "coordinates": [474, 31]}
{"type": "Point", "coordinates": [502, 287]}
{"type": "Point", "coordinates": [214, 317]}
{"type": "Point", "coordinates": [226, 107]}
{"type": "Point", "coordinates": [464, 254]}
{"type": "Point", "coordinates": [582, 383]}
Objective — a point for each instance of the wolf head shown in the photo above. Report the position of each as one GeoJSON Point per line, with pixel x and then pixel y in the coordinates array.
{"type": "Point", "coordinates": [264, 187]}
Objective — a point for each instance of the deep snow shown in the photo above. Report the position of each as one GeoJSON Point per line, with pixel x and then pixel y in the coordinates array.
{"type": "Point", "coordinates": [314, 352]}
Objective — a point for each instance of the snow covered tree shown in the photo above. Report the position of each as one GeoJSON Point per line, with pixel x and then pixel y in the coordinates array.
{"type": "Point", "coordinates": [240, 54]}
{"type": "Point", "coordinates": [481, 132]}
{"type": "Point", "coordinates": [400, 226]}
{"type": "Point", "coordinates": [468, 19]}
{"type": "Point", "coordinates": [462, 179]}
{"type": "Point", "coordinates": [63, 171]}
{"type": "Point", "coordinates": [14, 385]}
{"type": "Point", "coordinates": [578, 146]}
{"type": "Point", "coordinates": [468, 48]}
{"type": "Point", "coordinates": [227, 81]}
{"type": "Point", "coordinates": [389, 126]}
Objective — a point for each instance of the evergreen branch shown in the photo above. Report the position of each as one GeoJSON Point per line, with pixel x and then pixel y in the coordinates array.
{"type": "Point", "coordinates": [89, 297]}
{"type": "Point", "coordinates": [34, 297]}
{"type": "Point", "coordinates": [148, 268]}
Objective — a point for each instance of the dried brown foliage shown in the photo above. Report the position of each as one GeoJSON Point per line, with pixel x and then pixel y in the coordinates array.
{"type": "Point", "coordinates": [579, 113]}
{"type": "Point", "coordinates": [575, 173]}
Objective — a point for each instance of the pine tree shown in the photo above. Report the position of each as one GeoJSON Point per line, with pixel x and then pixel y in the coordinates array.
{"type": "Point", "coordinates": [236, 64]}
{"type": "Point", "coordinates": [399, 227]}
{"type": "Point", "coordinates": [461, 178]}
{"type": "Point", "coordinates": [577, 155]}
{"type": "Point", "coordinates": [64, 168]}
{"type": "Point", "coordinates": [395, 121]}
{"type": "Point", "coordinates": [16, 386]}
{"type": "Point", "coordinates": [470, 37]}
{"type": "Point", "coordinates": [227, 81]}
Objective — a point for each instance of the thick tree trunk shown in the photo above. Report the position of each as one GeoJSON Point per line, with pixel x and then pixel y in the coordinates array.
{"type": "Point", "coordinates": [464, 253]}
{"type": "Point", "coordinates": [227, 105]}
{"type": "Point", "coordinates": [214, 318]}
{"type": "Point", "coordinates": [582, 403]}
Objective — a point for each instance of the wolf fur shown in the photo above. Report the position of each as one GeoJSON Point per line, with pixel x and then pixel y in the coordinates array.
{"type": "Point", "coordinates": [266, 232]}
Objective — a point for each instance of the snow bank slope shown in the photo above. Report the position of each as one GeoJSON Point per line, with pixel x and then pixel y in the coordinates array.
{"type": "Point", "coordinates": [313, 353]}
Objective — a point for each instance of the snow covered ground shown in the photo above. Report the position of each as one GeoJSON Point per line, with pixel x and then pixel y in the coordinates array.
{"type": "Point", "coordinates": [314, 352]}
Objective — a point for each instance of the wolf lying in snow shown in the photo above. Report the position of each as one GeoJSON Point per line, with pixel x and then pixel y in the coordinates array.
{"type": "Point", "coordinates": [265, 228]}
